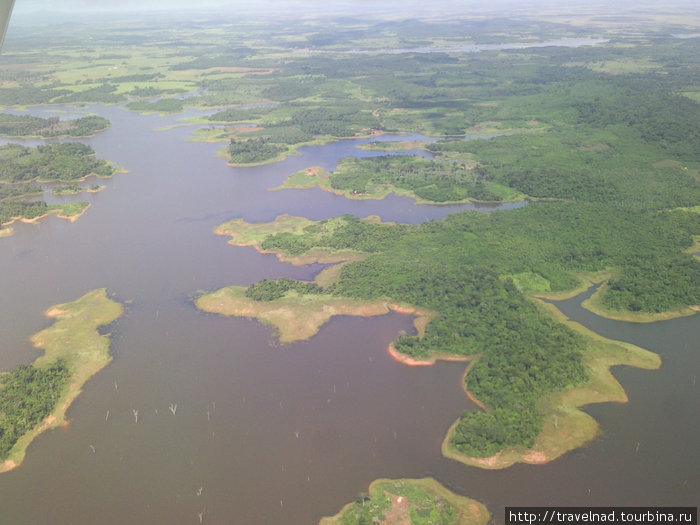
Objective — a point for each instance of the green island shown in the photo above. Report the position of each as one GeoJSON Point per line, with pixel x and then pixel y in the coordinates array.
{"type": "Point", "coordinates": [53, 127]}
{"type": "Point", "coordinates": [74, 189]}
{"type": "Point", "coordinates": [410, 501]}
{"type": "Point", "coordinates": [427, 181]}
{"type": "Point", "coordinates": [34, 398]}
{"type": "Point", "coordinates": [22, 167]}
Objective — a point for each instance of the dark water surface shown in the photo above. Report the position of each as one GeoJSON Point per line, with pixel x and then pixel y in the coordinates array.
{"type": "Point", "coordinates": [276, 434]}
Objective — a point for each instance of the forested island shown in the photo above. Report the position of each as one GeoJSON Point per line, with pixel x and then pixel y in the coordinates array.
{"type": "Point", "coordinates": [427, 181]}
{"type": "Point", "coordinates": [22, 167]}
{"type": "Point", "coordinates": [35, 397]}
{"type": "Point", "coordinates": [52, 127]}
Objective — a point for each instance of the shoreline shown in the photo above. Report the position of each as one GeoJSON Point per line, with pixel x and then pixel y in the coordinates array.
{"type": "Point", "coordinates": [73, 336]}
{"type": "Point", "coordinates": [246, 234]}
{"type": "Point", "coordinates": [299, 317]}
{"type": "Point", "coordinates": [56, 211]}
{"type": "Point", "coordinates": [75, 216]}
{"type": "Point", "coordinates": [430, 361]}
{"type": "Point", "coordinates": [595, 305]}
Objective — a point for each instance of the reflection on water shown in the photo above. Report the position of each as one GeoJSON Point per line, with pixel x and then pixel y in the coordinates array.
{"type": "Point", "coordinates": [265, 433]}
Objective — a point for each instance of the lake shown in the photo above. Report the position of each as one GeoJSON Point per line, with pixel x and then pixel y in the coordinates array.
{"type": "Point", "coordinates": [269, 433]}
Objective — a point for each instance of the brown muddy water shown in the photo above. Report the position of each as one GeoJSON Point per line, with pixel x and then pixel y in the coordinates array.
{"type": "Point", "coordinates": [267, 433]}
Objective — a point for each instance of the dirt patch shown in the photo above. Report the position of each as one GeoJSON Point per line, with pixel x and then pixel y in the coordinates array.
{"type": "Point", "coordinates": [491, 462]}
{"type": "Point", "coordinates": [6, 465]}
{"type": "Point", "coordinates": [535, 457]}
{"type": "Point", "coordinates": [399, 513]}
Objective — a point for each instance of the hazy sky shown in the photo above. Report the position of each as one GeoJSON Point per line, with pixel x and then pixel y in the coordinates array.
{"type": "Point", "coordinates": [23, 6]}
{"type": "Point", "coordinates": [101, 5]}
{"type": "Point", "coordinates": [395, 7]}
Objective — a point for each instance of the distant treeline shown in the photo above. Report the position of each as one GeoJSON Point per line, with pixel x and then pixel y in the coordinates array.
{"type": "Point", "coordinates": [27, 125]}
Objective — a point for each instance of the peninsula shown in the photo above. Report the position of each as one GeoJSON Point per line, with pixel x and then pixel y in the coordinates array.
{"type": "Point", "coordinates": [426, 181]}
{"type": "Point", "coordinates": [530, 368]}
{"type": "Point", "coordinates": [74, 351]}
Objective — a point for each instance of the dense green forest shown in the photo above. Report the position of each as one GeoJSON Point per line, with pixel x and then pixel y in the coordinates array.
{"type": "Point", "coordinates": [27, 125]}
{"type": "Point", "coordinates": [253, 150]}
{"type": "Point", "coordinates": [429, 180]}
{"type": "Point", "coordinates": [66, 161]}
{"type": "Point", "coordinates": [21, 166]}
{"type": "Point", "coordinates": [28, 394]}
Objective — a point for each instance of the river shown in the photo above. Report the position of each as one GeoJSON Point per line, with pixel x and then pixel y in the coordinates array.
{"type": "Point", "coordinates": [269, 433]}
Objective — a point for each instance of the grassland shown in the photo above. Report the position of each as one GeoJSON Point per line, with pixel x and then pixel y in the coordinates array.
{"type": "Point", "coordinates": [75, 339]}
{"type": "Point", "coordinates": [295, 316]}
{"type": "Point", "coordinates": [410, 502]}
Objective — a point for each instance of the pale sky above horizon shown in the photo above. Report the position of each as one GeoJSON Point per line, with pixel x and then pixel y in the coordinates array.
{"type": "Point", "coordinates": [28, 6]}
